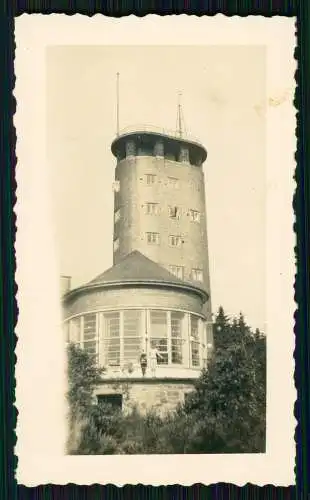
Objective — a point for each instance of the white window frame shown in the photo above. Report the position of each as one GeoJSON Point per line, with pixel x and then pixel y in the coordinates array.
{"type": "Point", "coordinates": [151, 208]}
{"type": "Point", "coordinates": [177, 271]}
{"type": "Point", "coordinates": [175, 240]}
{"type": "Point", "coordinates": [81, 341]}
{"type": "Point", "coordinates": [191, 338]}
{"type": "Point", "coordinates": [173, 182]}
{"type": "Point", "coordinates": [179, 339]}
{"type": "Point", "coordinates": [137, 336]}
{"type": "Point", "coordinates": [197, 274]}
{"type": "Point", "coordinates": [195, 341]}
{"type": "Point", "coordinates": [152, 238]}
{"type": "Point", "coordinates": [194, 216]}
{"type": "Point", "coordinates": [157, 339]}
{"type": "Point", "coordinates": [173, 212]}
{"type": "Point", "coordinates": [150, 179]}
{"type": "Point", "coordinates": [106, 338]}
{"type": "Point", "coordinates": [96, 337]}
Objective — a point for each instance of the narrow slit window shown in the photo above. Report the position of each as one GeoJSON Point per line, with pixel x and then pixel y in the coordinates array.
{"type": "Point", "coordinates": [116, 186]}
{"type": "Point", "coordinates": [116, 245]}
{"type": "Point", "coordinates": [117, 215]}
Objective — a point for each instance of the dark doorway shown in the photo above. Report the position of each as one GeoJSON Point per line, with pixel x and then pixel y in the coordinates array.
{"type": "Point", "coordinates": [113, 400]}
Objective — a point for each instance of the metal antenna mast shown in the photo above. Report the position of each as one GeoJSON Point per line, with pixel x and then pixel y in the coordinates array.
{"type": "Point", "coordinates": [117, 104]}
{"type": "Point", "coordinates": [180, 125]}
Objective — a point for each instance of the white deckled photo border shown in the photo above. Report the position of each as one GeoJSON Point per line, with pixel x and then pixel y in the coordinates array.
{"type": "Point", "coordinates": [40, 374]}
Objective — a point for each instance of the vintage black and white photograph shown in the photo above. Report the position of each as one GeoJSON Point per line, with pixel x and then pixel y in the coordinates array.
{"type": "Point", "coordinates": [158, 203]}
{"type": "Point", "coordinates": [156, 364]}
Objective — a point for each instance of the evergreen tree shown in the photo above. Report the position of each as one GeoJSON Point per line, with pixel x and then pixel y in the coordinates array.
{"type": "Point", "coordinates": [228, 403]}
{"type": "Point", "coordinates": [221, 330]}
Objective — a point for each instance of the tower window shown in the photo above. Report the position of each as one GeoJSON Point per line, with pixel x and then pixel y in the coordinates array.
{"type": "Point", "coordinates": [130, 148]}
{"type": "Point", "coordinates": [184, 155]}
{"type": "Point", "coordinates": [151, 208]}
{"type": "Point", "coordinates": [150, 178]}
{"type": "Point", "coordinates": [159, 149]}
{"type": "Point", "coordinates": [116, 186]}
{"type": "Point", "coordinates": [117, 215]}
{"type": "Point", "coordinates": [173, 182]}
{"type": "Point", "coordinates": [177, 271]}
{"type": "Point", "coordinates": [175, 241]}
{"type": "Point", "coordinates": [116, 245]}
{"type": "Point", "coordinates": [152, 238]}
{"type": "Point", "coordinates": [195, 185]}
{"type": "Point", "coordinates": [194, 216]}
{"type": "Point", "coordinates": [197, 275]}
{"type": "Point", "coordinates": [174, 212]}
{"type": "Point", "coordinates": [170, 156]}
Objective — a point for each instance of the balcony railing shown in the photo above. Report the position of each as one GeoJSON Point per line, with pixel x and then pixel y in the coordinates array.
{"type": "Point", "coordinates": [158, 130]}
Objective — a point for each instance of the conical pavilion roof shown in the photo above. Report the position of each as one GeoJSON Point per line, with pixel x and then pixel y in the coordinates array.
{"type": "Point", "coordinates": [136, 267]}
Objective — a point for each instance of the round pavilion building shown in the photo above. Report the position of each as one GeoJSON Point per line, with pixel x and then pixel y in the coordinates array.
{"type": "Point", "coordinates": [157, 293]}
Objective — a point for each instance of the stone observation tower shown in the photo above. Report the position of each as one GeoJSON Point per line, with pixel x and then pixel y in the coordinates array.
{"type": "Point", "coordinates": [157, 292]}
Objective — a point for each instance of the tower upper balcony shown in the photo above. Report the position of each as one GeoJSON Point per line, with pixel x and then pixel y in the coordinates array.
{"type": "Point", "coordinates": [147, 140]}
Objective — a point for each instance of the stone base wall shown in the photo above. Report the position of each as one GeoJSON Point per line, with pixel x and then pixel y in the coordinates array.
{"type": "Point", "coordinates": [160, 395]}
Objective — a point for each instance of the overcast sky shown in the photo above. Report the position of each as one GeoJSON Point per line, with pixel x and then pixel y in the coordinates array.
{"type": "Point", "coordinates": [223, 105]}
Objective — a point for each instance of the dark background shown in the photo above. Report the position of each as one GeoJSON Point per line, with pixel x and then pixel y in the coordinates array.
{"type": "Point", "coordinates": [9, 490]}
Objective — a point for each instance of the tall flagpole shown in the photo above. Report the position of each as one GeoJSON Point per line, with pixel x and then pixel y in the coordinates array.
{"type": "Point", "coordinates": [117, 104]}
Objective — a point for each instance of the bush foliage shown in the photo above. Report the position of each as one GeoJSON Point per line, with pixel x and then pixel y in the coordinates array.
{"type": "Point", "coordinates": [225, 412]}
